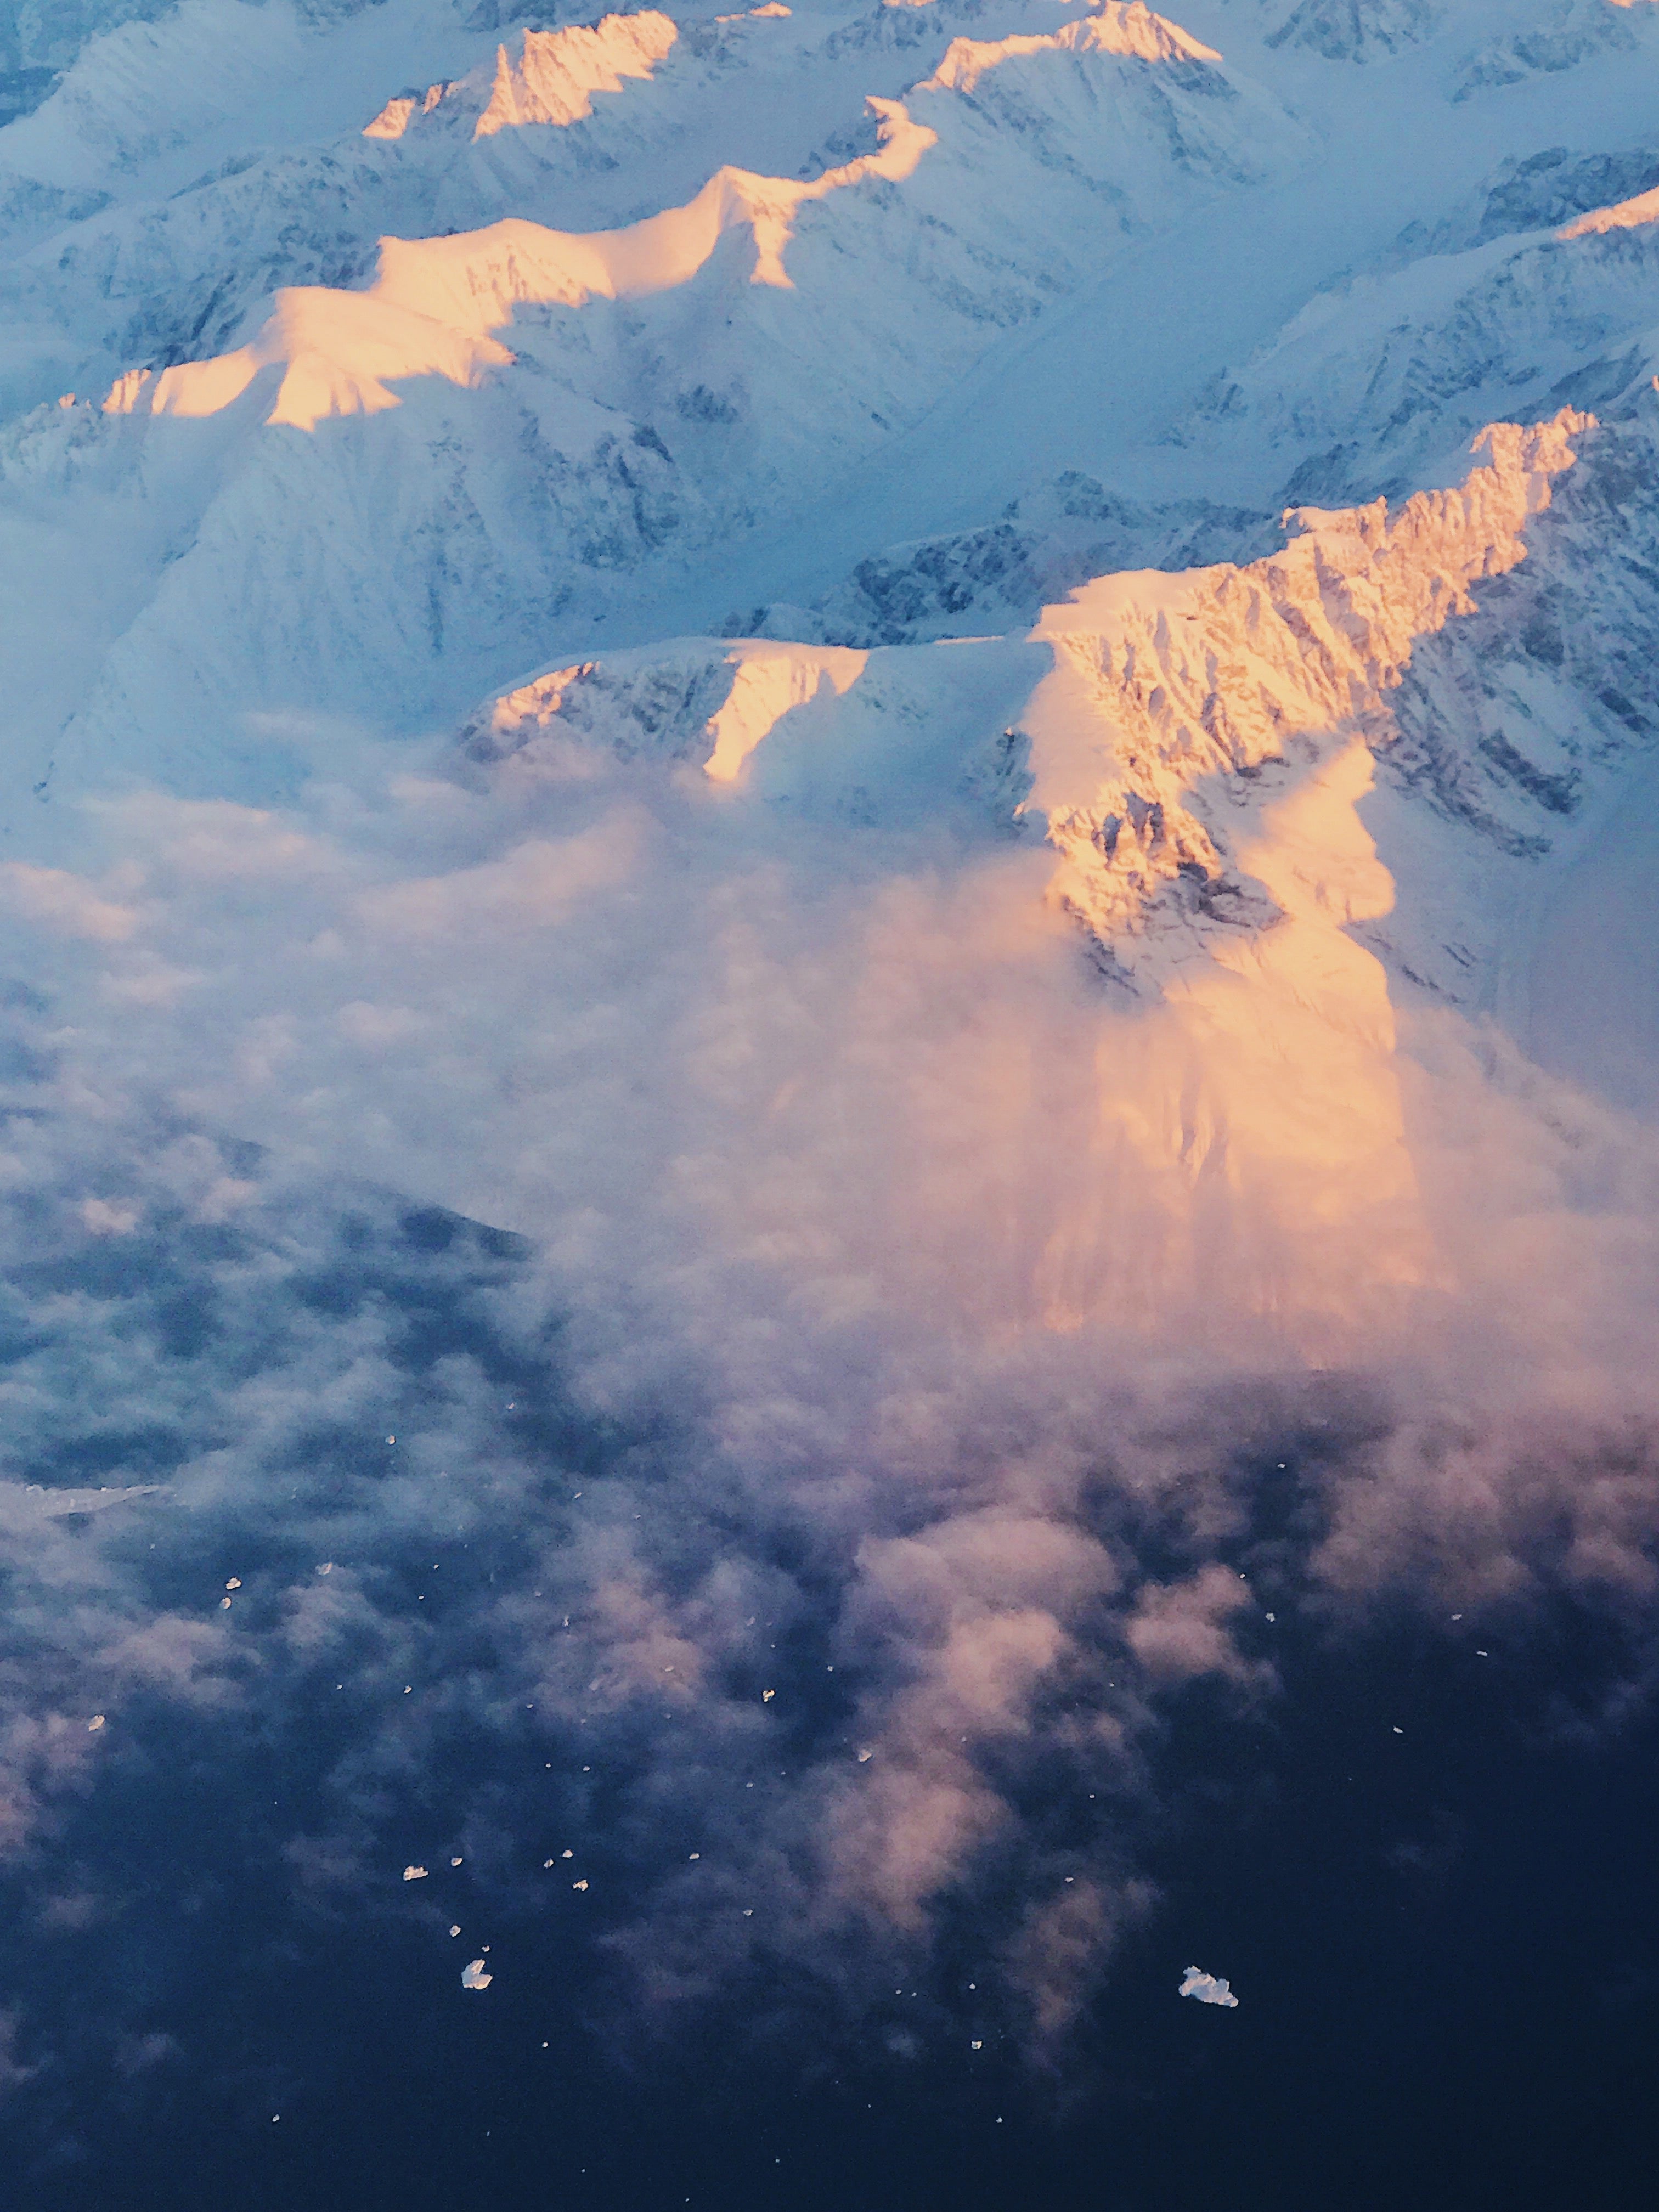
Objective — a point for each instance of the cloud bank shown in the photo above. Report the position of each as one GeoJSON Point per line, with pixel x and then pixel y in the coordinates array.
{"type": "Point", "coordinates": [846, 1437]}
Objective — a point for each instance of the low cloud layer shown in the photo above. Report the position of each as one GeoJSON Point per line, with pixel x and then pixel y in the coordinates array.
{"type": "Point", "coordinates": [873, 1398]}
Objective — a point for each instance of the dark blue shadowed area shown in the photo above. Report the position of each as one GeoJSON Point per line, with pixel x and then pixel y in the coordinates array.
{"type": "Point", "coordinates": [1444, 1942]}
{"type": "Point", "coordinates": [1426, 1862]}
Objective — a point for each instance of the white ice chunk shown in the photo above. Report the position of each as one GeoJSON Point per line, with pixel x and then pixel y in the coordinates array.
{"type": "Point", "coordinates": [1208, 1988]}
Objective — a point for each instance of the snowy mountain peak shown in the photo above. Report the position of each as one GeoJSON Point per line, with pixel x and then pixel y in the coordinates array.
{"type": "Point", "coordinates": [1633, 214]}
{"type": "Point", "coordinates": [551, 79]}
{"type": "Point", "coordinates": [1169, 688]}
{"type": "Point", "coordinates": [1125, 28]}
{"type": "Point", "coordinates": [436, 302]}
{"type": "Point", "coordinates": [1136, 739]}
{"type": "Point", "coordinates": [557, 72]}
{"type": "Point", "coordinates": [1358, 30]}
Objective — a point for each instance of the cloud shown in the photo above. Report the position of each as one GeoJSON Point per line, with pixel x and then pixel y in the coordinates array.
{"type": "Point", "coordinates": [1060, 1954]}
{"type": "Point", "coordinates": [536, 882]}
{"type": "Point", "coordinates": [868, 1310]}
{"type": "Point", "coordinates": [65, 904]}
{"type": "Point", "coordinates": [107, 1220]}
{"type": "Point", "coordinates": [1177, 1629]}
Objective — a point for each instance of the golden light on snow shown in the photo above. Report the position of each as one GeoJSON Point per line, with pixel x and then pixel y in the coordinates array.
{"type": "Point", "coordinates": [772, 680]}
{"type": "Point", "coordinates": [1131, 31]}
{"type": "Point", "coordinates": [436, 302]}
{"type": "Point", "coordinates": [558, 72]}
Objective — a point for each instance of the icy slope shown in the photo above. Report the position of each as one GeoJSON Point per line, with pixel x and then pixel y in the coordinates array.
{"type": "Point", "coordinates": [409, 556]}
{"type": "Point", "coordinates": [1558, 38]}
{"type": "Point", "coordinates": [1170, 712]}
{"type": "Point", "coordinates": [386, 491]}
{"type": "Point", "coordinates": [167, 256]}
{"type": "Point", "coordinates": [1381, 382]}
{"type": "Point", "coordinates": [1357, 30]}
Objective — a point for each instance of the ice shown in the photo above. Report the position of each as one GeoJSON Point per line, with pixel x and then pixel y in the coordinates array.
{"type": "Point", "coordinates": [1208, 1988]}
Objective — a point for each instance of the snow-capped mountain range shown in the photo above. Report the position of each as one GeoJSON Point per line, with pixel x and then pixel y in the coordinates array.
{"type": "Point", "coordinates": [359, 357]}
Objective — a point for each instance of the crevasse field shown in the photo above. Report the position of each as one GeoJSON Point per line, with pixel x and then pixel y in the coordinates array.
{"type": "Point", "coordinates": [829, 1154]}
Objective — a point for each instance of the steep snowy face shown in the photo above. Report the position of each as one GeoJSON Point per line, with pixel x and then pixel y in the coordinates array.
{"type": "Point", "coordinates": [690, 374]}
{"type": "Point", "coordinates": [1176, 692]}
{"type": "Point", "coordinates": [552, 78]}
{"type": "Point", "coordinates": [1381, 379]}
{"type": "Point", "coordinates": [1555, 39]}
{"type": "Point", "coordinates": [39, 40]}
{"type": "Point", "coordinates": [160, 79]}
{"type": "Point", "coordinates": [1357, 30]}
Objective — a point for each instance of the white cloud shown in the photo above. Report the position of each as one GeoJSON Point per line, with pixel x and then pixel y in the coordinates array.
{"type": "Point", "coordinates": [107, 1218]}
{"type": "Point", "coordinates": [848, 1252]}
{"type": "Point", "coordinates": [65, 904]}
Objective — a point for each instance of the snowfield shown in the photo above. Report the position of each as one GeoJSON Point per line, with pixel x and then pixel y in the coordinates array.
{"type": "Point", "coordinates": [412, 390]}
